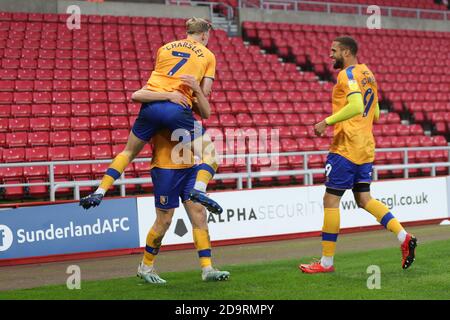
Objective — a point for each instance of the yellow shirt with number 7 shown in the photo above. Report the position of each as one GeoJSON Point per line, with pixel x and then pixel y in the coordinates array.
{"type": "Point", "coordinates": [181, 57]}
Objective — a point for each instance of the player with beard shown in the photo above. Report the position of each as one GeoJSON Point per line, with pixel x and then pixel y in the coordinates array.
{"type": "Point", "coordinates": [352, 152]}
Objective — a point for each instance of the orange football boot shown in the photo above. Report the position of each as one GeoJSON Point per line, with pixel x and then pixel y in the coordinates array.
{"type": "Point", "coordinates": [315, 267]}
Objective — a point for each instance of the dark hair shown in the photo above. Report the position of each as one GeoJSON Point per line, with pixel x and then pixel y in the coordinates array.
{"type": "Point", "coordinates": [348, 43]}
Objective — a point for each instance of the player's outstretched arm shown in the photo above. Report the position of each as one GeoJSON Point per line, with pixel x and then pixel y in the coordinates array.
{"type": "Point", "coordinates": [144, 96]}
{"type": "Point", "coordinates": [354, 107]}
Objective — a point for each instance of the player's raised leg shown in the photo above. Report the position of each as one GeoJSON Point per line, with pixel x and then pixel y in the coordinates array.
{"type": "Point", "coordinates": [133, 147]}
{"type": "Point", "coordinates": [192, 135]}
{"type": "Point", "coordinates": [201, 143]}
{"type": "Point", "coordinates": [146, 269]}
{"type": "Point", "coordinates": [330, 232]}
{"type": "Point", "coordinates": [206, 171]}
{"type": "Point", "coordinates": [197, 215]}
{"type": "Point", "coordinates": [383, 215]}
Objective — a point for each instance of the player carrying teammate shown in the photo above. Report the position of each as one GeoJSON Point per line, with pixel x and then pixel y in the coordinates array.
{"type": "Point", "coordinates": [173, 181]}
{"type": "Point", "coordinates": [176, 63]}
{"type": "Point", "coordinates": [352, 152]}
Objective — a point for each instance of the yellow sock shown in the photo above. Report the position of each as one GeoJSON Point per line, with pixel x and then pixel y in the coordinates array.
{"type": "Point", "coordinates": [204, 174]}
{"type": "Point", "coordinates": [330, 231]}
{"type": "Point", "coordinates": [208, 167]}
{"type": "Point", "coordinates": [383, 215]}
{"type": "Point", "coordinates": [153, 243]}
{"type": "Point", "coordinates": [203, 246]}
{"type": "Point", "coordinates": [114, 171]}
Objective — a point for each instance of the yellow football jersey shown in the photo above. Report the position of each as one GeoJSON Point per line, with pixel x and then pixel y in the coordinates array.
{"type": "Point", "coordinates": [168, 154]}
{"type": "Point", "coordinates": [353, 138]}
{"type": "Point", "coordinates": [182, 57]}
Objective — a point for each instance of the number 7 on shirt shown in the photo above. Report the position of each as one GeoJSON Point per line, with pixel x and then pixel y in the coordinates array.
{"type": "Point", "coordinates": [184, 56]}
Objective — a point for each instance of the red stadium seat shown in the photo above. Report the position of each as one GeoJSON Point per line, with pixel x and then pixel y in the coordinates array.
{"type": "Point", "coordinates": [17, 139]}
{"type": "Point", "coordinates": [300, 131]}
{"type": "Point", "coordinates": [80, 152]}
{"type": "Point", "coordinates": [306, 144]}
{"type": "Point", "coordinates": [99, 169]}
{"type": "Point", "coordinates": [21, 110]}
{"type": "Point", "coordinates": [81, 110]}
{"type": "Point", "coordinates": [316, 161]}
{"type": "Point", "coordinates": [4, 124]}
{"type": "Point", "coordinates": [5, 111]}
{"type": "Point", "coordinates": [14, 155]}
{"type": "Point", "coordinates": [116, 97]}
{"type": "Point", "coordinates": [227, 120]}
{"type": "Point", "coordinates": [133, 109]}
{"type": "Point", "coordinates": [277, 119]}
{"type": "Point", "coordinates": [289, 145]}
{"type": "Point", "coordinates": [260, 120]}
{"type": "Point", "coordinates": [19, 124]}
{"type": "Point", "coordinates": [60, 138]}
{"type": "Point", "coordinates": [11, 173]}
{"type": "Point", "coordinates": [32, 172]}
{"type": "Point", "coordinates": [102, 151]}
{"type": "Point", "coordinates": [100, 137]}
{"type": "Point", "coordinates": [244, 120]}
{"type": "Point", "coordinates": [61, 97]}
{"type": "Point", "coordinates": [38, 138]}
{"type": "Point", "coordinates": [40, 124]}
{"type": "Point", "coordinates": [119, 122]}
{"type": "Point", "coordinates": [14, 192]}
{"type": "Point", "coordinates": [80, 171]}
{"type": "Point", "coordinates": [118, 109]}
{"type": "Point", "coordinates": [99, 109]}
{"type": "Point", "coordinates": [42, 97]}
{"type": "Point", "coordinates": [40, 110]}
{"type": "Point", "coordinates": [80, 123]}
{"type": "Point", "coordinates": [293, 119]}
{"type": "Point", "coordinates": [60, 110]}
{"type": "Point", "coordinates": [439, 141]}
{"type": "Point", "coordinates": [80, 137]}
{"type": "Point", "coordinates": [119, 136]}
{"type": "Point", "coordinates": [58, 153]}
{"type": "Point", "coordinates": [36, 154]}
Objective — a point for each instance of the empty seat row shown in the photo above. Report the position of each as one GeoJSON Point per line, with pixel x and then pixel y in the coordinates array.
{"type": "Point", "coordinates": [67, 110]}
{"type": "Point", "coordinates": [55, 138]}
{"type": "Point", "coordinates": [62, 123]}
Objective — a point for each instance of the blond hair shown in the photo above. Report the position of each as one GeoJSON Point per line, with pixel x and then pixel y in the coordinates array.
{"type": "Point", "coordinates": [198, 25]}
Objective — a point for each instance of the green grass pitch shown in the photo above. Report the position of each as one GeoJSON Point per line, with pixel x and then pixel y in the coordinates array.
{"type": "Point", "coordinates": [428, 278]}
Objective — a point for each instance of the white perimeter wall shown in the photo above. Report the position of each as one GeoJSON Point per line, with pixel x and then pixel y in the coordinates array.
{"type": "Point", "coordinates": [280, 211]}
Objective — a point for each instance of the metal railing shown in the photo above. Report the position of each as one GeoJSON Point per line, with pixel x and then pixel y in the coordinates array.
{"type": "Point", "coordinates": [294, 5]}
{"type": "Point", "coordinates": [248, 175]}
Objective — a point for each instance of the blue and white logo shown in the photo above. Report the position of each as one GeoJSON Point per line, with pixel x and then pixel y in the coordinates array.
{"type": "Point", "coordinates": [6, 237]}
{"type": "Point", "coordinates": [67, 228]}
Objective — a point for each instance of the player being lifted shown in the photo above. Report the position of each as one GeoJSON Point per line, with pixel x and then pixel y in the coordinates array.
{"type": "Point", "coordinates": [352, 152]}
{"type": "Point", "coordinates": [176, 63]}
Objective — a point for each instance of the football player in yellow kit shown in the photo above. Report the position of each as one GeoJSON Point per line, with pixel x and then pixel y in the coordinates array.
{"type": "Point", "coordinates": [352, 152]}
{"type": "Point", "coordinates": [173, 181]}
{"type": "Point", "coordinates": [176, 64]}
